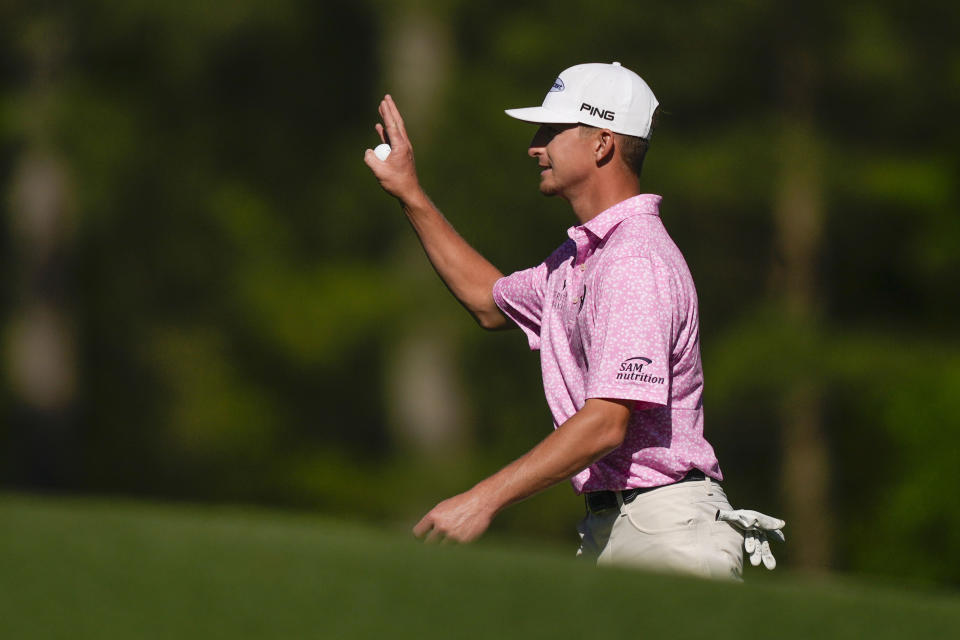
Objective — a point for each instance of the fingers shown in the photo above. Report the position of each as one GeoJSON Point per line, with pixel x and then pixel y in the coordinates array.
{"type": "Point", "coordinates": [393, 121]}
{"type": "Point", "coordinates": [756, 526]}
{"type": "Point", "coordinates": [381, 133]}
{"type": "Point", "coordinates": [749, 541]}
{"type": "Point", "coordinates": [758, 548]}
{"type": "Point", "coordinates": [398, 119]}
{"type": "Point", "coordinates": [427, 528]}
{"type": "Point", "coordinates": [752, 548]}
{"type": "Point", "coordinates": [432, 534]}
{"type": "Point", "coordinates": [767, 556]}
{"type": "Point", "coordinates": [426, 522]}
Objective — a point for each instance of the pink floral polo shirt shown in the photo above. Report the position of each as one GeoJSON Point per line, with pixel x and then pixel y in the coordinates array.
{"type": "Point", "coordinates": [613, 312]}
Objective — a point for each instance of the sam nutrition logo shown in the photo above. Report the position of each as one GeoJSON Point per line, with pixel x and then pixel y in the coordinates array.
{"type": "Point", "coordinates": [631, 370]}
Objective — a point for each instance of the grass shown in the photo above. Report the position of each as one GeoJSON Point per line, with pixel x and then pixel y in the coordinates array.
{"type": "Point", "coordinates": [80, 568]}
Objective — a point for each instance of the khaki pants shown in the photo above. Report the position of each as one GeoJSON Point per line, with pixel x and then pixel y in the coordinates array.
{"type": "Point", "coordinates": [670, 529]}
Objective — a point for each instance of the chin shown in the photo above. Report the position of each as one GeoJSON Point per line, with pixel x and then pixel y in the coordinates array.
{"type": "Point", "coordinates": [548, 189]}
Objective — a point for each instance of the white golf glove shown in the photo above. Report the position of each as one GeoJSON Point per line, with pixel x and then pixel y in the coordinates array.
{"type": "Point", "coordinates": [756, 527]}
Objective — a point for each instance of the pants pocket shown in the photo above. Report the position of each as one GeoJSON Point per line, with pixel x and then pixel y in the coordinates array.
{"type": "Point", "coordinates": [660, 517]}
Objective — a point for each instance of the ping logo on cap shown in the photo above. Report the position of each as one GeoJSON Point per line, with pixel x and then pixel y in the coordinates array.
{"type": "Point", "coordinates": [557, 86]}
{"type": "Point", "coordinates": [596, 111]}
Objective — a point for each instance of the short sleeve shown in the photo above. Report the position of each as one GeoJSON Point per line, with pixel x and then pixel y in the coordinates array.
{"type": "Point", "coordinates": [520, 297]}
{"type": "Point", "coordinates": [630, 349]}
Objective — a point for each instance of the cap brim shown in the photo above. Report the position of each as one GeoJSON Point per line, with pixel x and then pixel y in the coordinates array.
{"type": "Point", "coordinates": [539, 115]}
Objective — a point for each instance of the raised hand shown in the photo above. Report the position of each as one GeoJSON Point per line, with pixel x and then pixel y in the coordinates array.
{"type": "Point", "coordinates": [397, 174]}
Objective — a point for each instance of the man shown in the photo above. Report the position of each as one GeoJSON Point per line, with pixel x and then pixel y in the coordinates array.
{"type": "Point", "coordinates": [613, 312]}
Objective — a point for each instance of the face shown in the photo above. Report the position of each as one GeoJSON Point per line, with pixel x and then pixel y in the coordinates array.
{"type": "Point", "coordinates": [565, 157]}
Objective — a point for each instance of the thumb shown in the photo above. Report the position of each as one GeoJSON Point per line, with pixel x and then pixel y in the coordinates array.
{"type": "Point", "coordinates": [372, 161]}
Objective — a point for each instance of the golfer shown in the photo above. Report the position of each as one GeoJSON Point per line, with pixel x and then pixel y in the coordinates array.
{"type": "Point", "coordinates": [613, 313]}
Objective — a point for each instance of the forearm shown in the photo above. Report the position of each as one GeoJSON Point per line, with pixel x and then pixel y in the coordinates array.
{"type": "Point", "coordinates": [594, 431]}
{"type": "Point", "coordinates": [467, 274]}
{"type": "Point", "coordinates": [590, 434]}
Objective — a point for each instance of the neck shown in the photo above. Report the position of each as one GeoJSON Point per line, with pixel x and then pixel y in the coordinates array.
{"type": "Point", "coordinates": [602, 194]}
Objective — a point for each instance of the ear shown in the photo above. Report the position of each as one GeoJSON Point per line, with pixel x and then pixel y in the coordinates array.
{"type": "Point", "coordinates": [604, 144]}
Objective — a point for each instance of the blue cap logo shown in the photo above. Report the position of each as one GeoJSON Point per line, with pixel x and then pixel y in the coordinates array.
{"type": "Point", "coordinates": [557, 86]}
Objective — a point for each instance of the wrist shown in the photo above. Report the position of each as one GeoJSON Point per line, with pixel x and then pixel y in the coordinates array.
{"type": "Point", "coordinates": [414, 199]}
{"type": "Point", "coordinates": [487, 494]}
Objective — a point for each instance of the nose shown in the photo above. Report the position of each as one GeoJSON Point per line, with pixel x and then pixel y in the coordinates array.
{"type": "Point", "coordinates": [540, 140]}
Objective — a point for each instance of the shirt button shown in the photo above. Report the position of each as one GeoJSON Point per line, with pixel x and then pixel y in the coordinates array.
{"type": "Point", "coordinates": [583, 267]}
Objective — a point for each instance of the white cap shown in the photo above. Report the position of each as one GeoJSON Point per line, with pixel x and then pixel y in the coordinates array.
{"type": "Point", "coordinates": [609, 96]}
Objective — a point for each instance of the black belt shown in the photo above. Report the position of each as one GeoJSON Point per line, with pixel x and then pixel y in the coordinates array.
{"type": "Point", "coordinates": [603, 500]}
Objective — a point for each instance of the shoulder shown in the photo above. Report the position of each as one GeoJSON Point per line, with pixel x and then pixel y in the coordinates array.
{"type": "Point", "coordinates": [643, 236]}
{"type": "Point", "coordinates": [615, 270]}
{"type": "Point", "coordinates": [635, 237]}
{"type": "Point", "coordinates": [641, 248]}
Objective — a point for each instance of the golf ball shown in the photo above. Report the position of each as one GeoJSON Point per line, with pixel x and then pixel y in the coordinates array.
{"type": "Point", "coordinates": [382, 151]}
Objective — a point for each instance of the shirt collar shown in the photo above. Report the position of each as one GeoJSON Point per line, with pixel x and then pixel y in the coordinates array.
{"type": "Point", "coordinates": [604, 222]}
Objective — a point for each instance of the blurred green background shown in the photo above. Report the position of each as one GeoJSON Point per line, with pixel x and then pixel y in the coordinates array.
{"type": "Point", "coordinates": [206, 296]}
